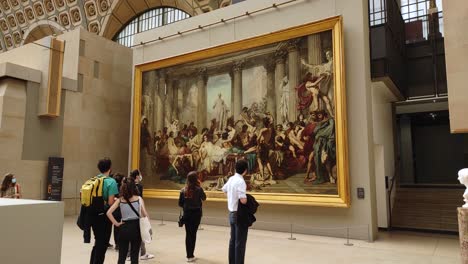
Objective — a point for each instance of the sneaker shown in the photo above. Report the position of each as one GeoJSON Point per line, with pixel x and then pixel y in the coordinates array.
{"type": "Point", "coordinates": [191, 259]}
{"type": "Point", "coordinates": [147, 256]}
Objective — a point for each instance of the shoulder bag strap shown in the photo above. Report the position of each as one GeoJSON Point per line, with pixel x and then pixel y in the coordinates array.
{"type": "Point", "coordinates": [133, 208]}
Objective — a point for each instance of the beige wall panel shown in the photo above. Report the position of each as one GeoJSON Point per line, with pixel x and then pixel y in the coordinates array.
{"type": "Point", "coordinates": [456, 52]}
{"type": "Point", "coordinates": [360, 131]}
{"type": "Point", "coordinates": [97, 120]}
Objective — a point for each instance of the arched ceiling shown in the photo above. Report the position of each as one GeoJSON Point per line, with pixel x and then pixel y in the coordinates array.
{"type": "Point", "coordinates": [19, 18]}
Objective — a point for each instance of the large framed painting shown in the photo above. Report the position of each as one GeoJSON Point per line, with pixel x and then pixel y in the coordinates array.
{"type": "Point", "coordinates": [278, 101]}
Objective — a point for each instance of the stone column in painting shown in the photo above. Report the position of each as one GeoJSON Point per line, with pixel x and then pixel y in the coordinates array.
{"type": "Point", "coordinates": [161, 92]}
{"type": "Point", "coordinates": [271, 94]}
{"type": "Point", "coordinates": [237, 88]}
{"type": "Point", "coordinates": [202, 113]}
{"type": "Point", "coordinates": [148, 98]}
{"type": "Point", "coordinates": [294, 71]}
{"type": "Point", "coordinates": [175, 99]}
{"type": "Point", "coordinates": [314, 49]}
{"type": "Point", "coordinates": [168, 101]}
{"type": "Point", "coordinates": [463, 233]}
{"type": "Point", "coordinates": [280, 80]}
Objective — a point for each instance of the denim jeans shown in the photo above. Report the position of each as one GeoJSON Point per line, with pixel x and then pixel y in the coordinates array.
{"type": "Point", "coordinates": [238, 240]}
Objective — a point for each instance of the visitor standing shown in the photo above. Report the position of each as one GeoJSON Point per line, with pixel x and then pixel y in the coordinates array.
{"type": "Point", "coordinates": [236, 189]}
{"type": "Point", "coordinates": [137, 178]}
{"type": "Point", "coordinates": [190, 199]}
{"type": "Point", "coordinates": [10, 188]}
{"type": "Point", "coordinates": [118, 177]}
{"type": "Point", "coordinates": [100, 224]}
{"type": "Point", "coordinates": [132, 208]}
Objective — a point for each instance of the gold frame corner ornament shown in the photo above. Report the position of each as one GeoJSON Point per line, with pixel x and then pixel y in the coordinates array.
{"type": "Point", "coordinates": [335, 24]}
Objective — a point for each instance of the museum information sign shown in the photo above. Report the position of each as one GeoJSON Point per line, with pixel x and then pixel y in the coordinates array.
{"type": "Point", "coordinates": [55, 178]}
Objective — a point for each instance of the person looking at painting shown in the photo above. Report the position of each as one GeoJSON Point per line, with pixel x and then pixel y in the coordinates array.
{"type": "Point", "coordinates": [118, 177]}
{"type": "Point", "coordinates": [130, 204]}
{"type": "Point", "coordinates": [137, 177]}
{"type": "Point", "coordinates": [236, 191]}
{"type": "Point", "coordinates": [190, 199]}
{"type": "Point", "coordinates": [10, 188]}
{"type": "Point", "coordinates": [100, 224]}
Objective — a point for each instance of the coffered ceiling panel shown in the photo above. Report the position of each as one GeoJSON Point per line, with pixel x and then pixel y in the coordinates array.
{"type": "Point", "coordinates": [40, 18]}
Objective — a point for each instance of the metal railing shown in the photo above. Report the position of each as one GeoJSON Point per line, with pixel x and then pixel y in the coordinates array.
{"type": "Point", "coordinates": [293, 229]}
{"type": "Point", "coordinates": [421, 28]}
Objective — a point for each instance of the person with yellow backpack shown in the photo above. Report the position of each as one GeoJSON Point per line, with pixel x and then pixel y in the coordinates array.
{"type": "Point", "coordinates": [97, 195]}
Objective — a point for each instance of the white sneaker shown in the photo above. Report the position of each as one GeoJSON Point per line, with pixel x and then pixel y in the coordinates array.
{"type": "Point", "coordinates": [147, 256]}
{"type": "Point", "coordinates": [191, 259]}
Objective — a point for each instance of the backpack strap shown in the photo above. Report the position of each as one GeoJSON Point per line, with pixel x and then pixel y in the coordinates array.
{"type": "Point", "coordinates": [133, 208]}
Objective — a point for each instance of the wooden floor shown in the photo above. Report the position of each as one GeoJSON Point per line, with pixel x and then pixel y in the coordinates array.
{"type": "Point", "coordinates": [427, 208]}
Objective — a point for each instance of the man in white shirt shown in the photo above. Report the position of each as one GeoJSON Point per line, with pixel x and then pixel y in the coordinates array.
{"type": "Point", "coordinates": [236, 190]}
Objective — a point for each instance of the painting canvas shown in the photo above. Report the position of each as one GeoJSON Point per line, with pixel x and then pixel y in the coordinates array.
{"type": "Point", "coordinates": [279, 105]}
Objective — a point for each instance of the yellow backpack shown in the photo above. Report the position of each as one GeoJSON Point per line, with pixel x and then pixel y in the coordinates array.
{"type": "Point", "coordinates": [91, 193]}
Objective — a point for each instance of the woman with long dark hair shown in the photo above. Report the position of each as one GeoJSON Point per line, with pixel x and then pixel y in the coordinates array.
{"type": "Point", "coordinates": [137, 177]}
{"type": "Point", "coordinates": [131, 206]}
{"type": "Point", "coordinates": [190, 199]}
{"type": "Point", "coordinates": [10, 188]}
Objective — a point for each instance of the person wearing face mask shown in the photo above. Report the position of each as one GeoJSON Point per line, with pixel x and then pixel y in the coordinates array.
{"type": "Point", "coordinates": [10, 188]}
{"type": "Point", "coordinates": [138, 177]}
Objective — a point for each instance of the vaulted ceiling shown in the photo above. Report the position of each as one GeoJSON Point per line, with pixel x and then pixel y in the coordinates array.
{"type": "Point", "coordinates": [24, 21]}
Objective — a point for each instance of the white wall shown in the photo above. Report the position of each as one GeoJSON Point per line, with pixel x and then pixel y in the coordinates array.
{"type": "Point", "coordinates": [361, 145]}
{"type": "Point", "coordinates": [382, 112]}
{"type": "Point", "coordinates": [32, 231]}
{"type": "Point", "coordinates": [456, 52]}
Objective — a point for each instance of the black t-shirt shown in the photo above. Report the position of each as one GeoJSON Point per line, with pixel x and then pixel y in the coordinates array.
{"type": "Point", "coordinates": [195, 202]}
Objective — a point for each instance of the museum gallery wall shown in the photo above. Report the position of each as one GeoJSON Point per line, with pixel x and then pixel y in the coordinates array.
{"type": "Point", "coordinates": [276, 101]}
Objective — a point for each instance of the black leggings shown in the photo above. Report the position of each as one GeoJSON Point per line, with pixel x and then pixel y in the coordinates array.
{"type": "Point", "coordinates": [129, 234]}
{"type": "Point", "coordinates": [192, 220]}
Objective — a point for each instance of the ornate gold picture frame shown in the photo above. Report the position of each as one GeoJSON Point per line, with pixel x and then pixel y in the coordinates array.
{"type": "Point", "coordinates": [277, 100]}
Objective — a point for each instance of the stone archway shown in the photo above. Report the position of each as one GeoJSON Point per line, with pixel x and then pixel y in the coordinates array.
{"type": "Point", "coordinates": [41, 30]}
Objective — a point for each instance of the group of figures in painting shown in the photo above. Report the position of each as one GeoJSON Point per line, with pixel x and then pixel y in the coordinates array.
{"type": "Point", "coordinates": [297, 139]}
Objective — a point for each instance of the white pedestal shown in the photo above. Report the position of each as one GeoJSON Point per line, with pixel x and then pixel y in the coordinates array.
{"type": "Point", "coordinates": [31, 231]}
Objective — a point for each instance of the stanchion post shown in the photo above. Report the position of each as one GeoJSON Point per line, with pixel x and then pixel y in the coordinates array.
{"type": "Point", "coordinates": [40, 189]}
{"type": "Point", "coordinates": [347, 238]}
{"type": "Point", "coordinates": [291, 231]}
{"type": "Point", "coordinates": [162, 220]}
{"type": "Point", "coordinates": [76, 196]}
